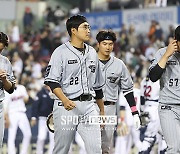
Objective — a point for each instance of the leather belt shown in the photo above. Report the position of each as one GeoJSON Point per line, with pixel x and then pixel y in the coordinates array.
{"type": "Point", "coordinates": [82, 97]}
{"type": "Point", "coordinates": [109, 103]}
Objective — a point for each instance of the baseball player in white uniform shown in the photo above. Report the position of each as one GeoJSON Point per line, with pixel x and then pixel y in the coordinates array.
{"type": "Point", "coordinates": [15, 109]}
{"type": "Point", "coordinates": [165, 66]}
{"type": "Point", "coordinates": [116, 77]}
{"type": "Point", "coordinates": [149, 104]}
{"type": "Point", "coordinates": [128, 133]}
{"type": "Point", "coordinates": [7, 81]}
{"type": "Point", "coordinates": [74, 76]}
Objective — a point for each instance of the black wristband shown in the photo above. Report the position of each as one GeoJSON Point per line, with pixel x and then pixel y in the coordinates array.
{"type": "Point", "coordinates": [99, 94]}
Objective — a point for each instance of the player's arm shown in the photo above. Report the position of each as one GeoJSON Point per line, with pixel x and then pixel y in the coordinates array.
{"type": "Point", "coordinates": [7, 85]}
{"type": "Point", "coordinates": [99, 101]}
{"type": "Point", "coordinates": [131, 101]}
{"type": "Point", "coordinates": [156, 72]}
{"type": "Point", "coordinates": [56, 89]}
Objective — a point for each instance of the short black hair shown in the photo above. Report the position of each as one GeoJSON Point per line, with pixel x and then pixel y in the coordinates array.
{"type": "Point", "coordinates": [74, 22]}
{"type": "Point", "coordinates": [106, 35]}
{"type": "Point", "coordinates": [177, 33]}
{"type": "Point", "coordinates": [4, 39]}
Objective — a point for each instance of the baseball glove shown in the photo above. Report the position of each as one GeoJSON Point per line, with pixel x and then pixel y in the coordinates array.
{"type": "Point", "coordinates": [144, 118]}
{"type": "Point", "coordinates": [50, 122]}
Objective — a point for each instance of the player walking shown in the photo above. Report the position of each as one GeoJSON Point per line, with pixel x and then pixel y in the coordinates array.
{"type": "Point", "coordinates": [75, 78]}
{"type": "Point", "coordinates": [165, 66]}
{"type": "Point", "coordinates": [7, 81]}
{"type": "Point", "coordinates": [149, 105]}
{"type": "Point", "coordinates": [15, 110]}
{"type": "Point", "coordinates": [116, 77]}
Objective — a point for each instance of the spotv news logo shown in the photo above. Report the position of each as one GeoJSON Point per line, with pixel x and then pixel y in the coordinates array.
{"type": "Point", "coordinates": [103, 120]}
{"type": "Point", "coordinates": [91, 120]}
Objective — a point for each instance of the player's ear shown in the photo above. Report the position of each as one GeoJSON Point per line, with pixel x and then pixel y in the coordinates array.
{"type": "Point", "coordinates": [98, 45]}
{"type": "Point", "coordinates": [73, 30]}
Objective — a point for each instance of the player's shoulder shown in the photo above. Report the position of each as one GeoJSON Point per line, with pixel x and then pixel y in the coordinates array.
{"type": "Point", "coordinates": [5, 59]}
{"type": "Point", "coordinates": [60, 49]}
{"type": "Point", "coordinates": [90, 48]}
{"type": "Point", "coordinates": [20, 86]}
{"type": "Point", "coordinates": [161, 51]}
{"type": "Point", "coordinates": [118, 61]}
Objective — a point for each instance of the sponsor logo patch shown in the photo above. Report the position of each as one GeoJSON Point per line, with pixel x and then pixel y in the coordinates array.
{"type": "Point", "coordinates": [72, 61]}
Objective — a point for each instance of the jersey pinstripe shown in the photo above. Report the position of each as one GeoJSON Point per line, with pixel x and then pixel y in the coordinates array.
{"type": "Point", "coordinates": [116, 76]}
{"type": "Point", "coordinates": [76, 73]}
{"type": "Point", "coordinates": [6, 66]}
{"type": "Point", "coordinates": [170, 80]}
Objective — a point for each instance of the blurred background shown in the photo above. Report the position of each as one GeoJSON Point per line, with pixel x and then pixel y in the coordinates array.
{"type": "Point", "coordinates": [37, 27]}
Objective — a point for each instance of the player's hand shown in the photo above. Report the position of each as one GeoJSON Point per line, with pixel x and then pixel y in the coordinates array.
{"type": "Point", "coordinates": [137, 121]}
{"type": "Point", "coordinates": [69, 105]}
{"type": "Point", "coordinates": [122, 129]}
{"type": "Point", "coordinates": [3, 75]}
{"type": "Point", "coordinates": [102, 114]}
{"type": "Point", "coordinates": [172, 47]}
{"type": "Point", "coordinates": [33, 122]}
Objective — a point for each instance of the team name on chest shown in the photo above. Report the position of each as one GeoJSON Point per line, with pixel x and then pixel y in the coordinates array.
{"type": "Point", "coordinates": [172, 62]}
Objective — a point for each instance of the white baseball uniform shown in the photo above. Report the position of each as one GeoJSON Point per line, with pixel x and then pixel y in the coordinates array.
{"type": "Point", "coordinates": [150, 91]}
{"type": "Point", "coordinates": [15, 107]}
{"type": "Point", "coordinates": [124, 143]}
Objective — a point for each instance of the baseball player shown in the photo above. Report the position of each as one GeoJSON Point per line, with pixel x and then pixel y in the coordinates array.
{"type": "Point", "coordinates": [165, 66]}
{"type": "Point", "coordinates": [116, 77]}
{"type": "Point", "coordinates": [42, 107]}
{"type": "Point", "coordinates": [127, 133]}
{"type": "Point", "coordinates": [74, 76]}
{"type": "Point", "coordinates": [15, 109]}
{"type": "Point", "coordinates": [7, 80]}
{"type": "Point", "coordinates": [149, 104]}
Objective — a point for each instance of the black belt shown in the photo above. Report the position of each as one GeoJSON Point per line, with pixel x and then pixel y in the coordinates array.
{"type": "Point", "coordinates": [156, 100]}
{"type": "Point", "coordinates": [82, 97]}
{"type": "Point", "coordinates": [109, 103]}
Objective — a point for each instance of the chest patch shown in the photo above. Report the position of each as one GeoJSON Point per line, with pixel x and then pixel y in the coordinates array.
{"type": "Point", "coordinates": [112, 79]}
{"type": "Point", "coordinates": [93, 68]}
{"type": "Point", "coordinates": [72, 61]}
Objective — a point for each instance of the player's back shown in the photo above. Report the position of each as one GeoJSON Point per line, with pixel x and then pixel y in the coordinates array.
{"type": "Point", "coordinates": [150, 90]}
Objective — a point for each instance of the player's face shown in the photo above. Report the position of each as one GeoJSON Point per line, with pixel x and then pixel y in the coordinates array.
{"type": "Point", "coordinates": [106, 47]}
{"type": "Point", "coordinates": [1, 46]}
{"type": "Point", "coordinates": [83, 31]}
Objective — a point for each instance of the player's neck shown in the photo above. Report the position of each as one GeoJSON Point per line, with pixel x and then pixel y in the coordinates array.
{"type": "Point", "coordinates": [103, 57]}
{"type": "Point", "coordinates": [77, 43]}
